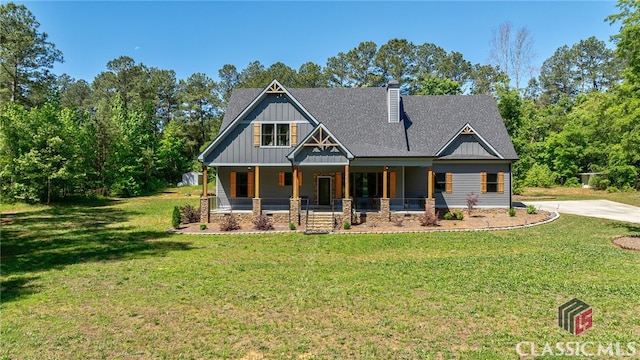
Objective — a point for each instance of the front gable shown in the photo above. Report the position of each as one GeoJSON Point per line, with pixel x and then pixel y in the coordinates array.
{"type": "Point", "coordinates": [263, 133]}
{"type": "Point", "coordinates": [467, 143]}
{"type": "Point", "coordinates": [320, 147]}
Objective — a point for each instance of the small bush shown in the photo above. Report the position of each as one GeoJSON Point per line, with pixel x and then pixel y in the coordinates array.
{"type": "Point", "coordinates": [472, 200]}
{"type": "Point", "coordinates": [430, 218]}
{"type": "Point", "coordinates": [203, 226]}
{"type": "Point", "coordinates": [397, 221]}
{"type": "Point", "coordinates": [572, 182]}
{"type": "Point", "coordinates": [175, 217]}
{"type": "Point", "coordinates": [517, 191]}
{"type": "Point", "coordinates": [599, 183]}
{"type": "Point", "coordinates": [262, 222]}
{"type": "Point", "coordinates": [229, 223]}
{"type": "Point", "coordinates": [189, 214]}
{"type": "Point", "coordinates": [448, 216]}
{"type": "Point", "coordinates": [612, 189]}
{"type": "Point", "coordinates": [540, 176]}
{"type": "Point", "coordinates": [512, 212]}
{"type": "Point", "coordinates": [346, 225]}
{"type": "Point", "coordinates": [531, 209]}
{"type": "Point", "coordinates": [292, 226]}
{"type": "Point", "coordinates": [458, 215]}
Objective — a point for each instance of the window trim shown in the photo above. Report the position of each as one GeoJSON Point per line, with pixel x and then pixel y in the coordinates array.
{"type": "Point", "coordinates": [275, 134]}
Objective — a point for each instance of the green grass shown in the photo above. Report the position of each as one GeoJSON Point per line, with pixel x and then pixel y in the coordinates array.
{"type": "Point", "coordinates": [562, 193]}
{"type": "Point", "coordinates": [104, 279]}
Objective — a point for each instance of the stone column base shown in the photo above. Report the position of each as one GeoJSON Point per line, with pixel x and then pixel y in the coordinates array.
{"type": "Point", "coordinates": [204, 210]}
{"type": "Point", "coordinates": [430, 204]}
{"type": "Point", "coordinates": [257, 207]}
{"type": "Point", "coordinates": [385, 210]}
{"type": "Point", "coordinates": [294, 210]}
{"type": "Point", "coordinates": [346, 211]}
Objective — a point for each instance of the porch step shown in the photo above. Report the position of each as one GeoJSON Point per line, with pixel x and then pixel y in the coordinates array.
{"type": "Point", "coordinates": [320, 223]}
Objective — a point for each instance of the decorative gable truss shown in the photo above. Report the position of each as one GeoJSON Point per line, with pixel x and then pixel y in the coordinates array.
{"type": "Point", "coordinates": [321, 147]}
{"type": "Point", "coordinates": [467, 142]}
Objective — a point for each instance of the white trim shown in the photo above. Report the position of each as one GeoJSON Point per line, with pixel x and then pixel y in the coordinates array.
{"type": "Point", "coordinates": [476, 133]}
{"type": "Point", "coordinates": [422, 162]}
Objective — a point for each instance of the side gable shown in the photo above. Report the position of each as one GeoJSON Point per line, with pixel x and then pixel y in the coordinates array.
{"type": "Point", "coordinates": [467, 143]}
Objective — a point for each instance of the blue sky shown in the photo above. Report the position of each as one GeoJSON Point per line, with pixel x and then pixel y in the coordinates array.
{"type": "Point", "coordinates": [202, 36]}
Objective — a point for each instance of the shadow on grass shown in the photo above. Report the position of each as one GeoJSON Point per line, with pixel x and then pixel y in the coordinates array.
{"type": "Point", "coordinates": [629, 227]}
{"type": "Point", "coordinates": [70, 234]}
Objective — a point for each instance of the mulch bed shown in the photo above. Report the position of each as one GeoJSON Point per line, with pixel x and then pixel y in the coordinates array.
{"type": "Point", "coordinates": [628, 242]}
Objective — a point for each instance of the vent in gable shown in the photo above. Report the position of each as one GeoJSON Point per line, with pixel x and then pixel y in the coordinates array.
{"type": "Point", "coordinates": [393, 101]}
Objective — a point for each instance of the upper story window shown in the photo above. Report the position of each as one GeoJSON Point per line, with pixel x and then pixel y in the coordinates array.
{"type": "Point", "coordinates": [275, 135]}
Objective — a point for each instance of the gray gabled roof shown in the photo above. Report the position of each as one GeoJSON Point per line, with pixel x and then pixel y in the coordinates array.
{"type": "Point", "coordinates": [358, 117]}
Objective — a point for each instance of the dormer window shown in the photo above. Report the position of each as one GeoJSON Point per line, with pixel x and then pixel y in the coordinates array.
{"type": "Point", "coordinates": [275, 135]}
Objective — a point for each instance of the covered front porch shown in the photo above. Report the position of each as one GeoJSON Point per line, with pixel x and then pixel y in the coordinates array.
{"type": "Point", "coordinates": [345, 190]}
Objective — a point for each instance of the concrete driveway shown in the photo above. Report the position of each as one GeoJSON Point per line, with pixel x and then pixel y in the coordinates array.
{"type": "Point", "coordinates": [595, 208]}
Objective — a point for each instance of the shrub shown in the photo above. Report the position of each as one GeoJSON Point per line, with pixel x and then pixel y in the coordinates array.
{"type": "Point", "coordinates": [229, 223]}
{"type": "Point", "coordinates": [540, 176]}
{"type": "Point", "coordinates": [517, 191]}
{"type": "Point", "coordinates": [262, 222]}
{"type": "Point", "coordinates": [531, 209]}
{"type": "Point", "coordinates": [430, 218]}
{"type": "Point", "coordinates": [458, 215]}
{"type": "Point", "coordinates": [397, 221]}
{"type": "Point", "coordinates": [203, 226]}
{"type": "Point", "coordinates": [472, 200]}
{"type": "Point", "coordinates": [572, 182]}
{"type": "Point", "coordinates": [175, 217]}
{"type": "Point", "coordinates": [622, 175]}
{"type": "Point", "coordinates": [599, 183]}
{"type": "Point", "coordinates": [448, 216]}
{"type": "Point", "coordinates": [292, 226]}
{"type": "Point", "coordinates": [346, 225]}
{"type": "Point", "coordinates": [189, 214]}
{"type": "Point", "coordinates": [512, 212]}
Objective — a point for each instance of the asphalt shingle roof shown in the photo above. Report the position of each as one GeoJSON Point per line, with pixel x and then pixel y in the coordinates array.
{"type": "Point", "coordinates": [358, 117]}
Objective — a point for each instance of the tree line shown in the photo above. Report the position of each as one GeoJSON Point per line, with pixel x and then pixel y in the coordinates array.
{"type": "Point", "coordinates": [134, 129]}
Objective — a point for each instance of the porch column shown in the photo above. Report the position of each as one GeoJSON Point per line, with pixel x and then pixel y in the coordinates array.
{"type": "Point", "coordinates": [346, 201]}
{"type": "Point", "coordinates": [296, 191]}
{"type": "Point", "coordinates": [385, 175]}
{"type": "Point", "coordinates": [430, 204]}
{"type": "Point", "coordinates": [204, 198]}
{"type": "Point", "coordinates": [429, 182]}
{"type": "Point", "coordinates": [295, 202]}
{"type": "Point", "coordinates": [257, 182]}
{"type": "Point", "coordinates": [257, 201]}
{"type": "Point", "coordinates": [346, 182]}
{"type": "Point", "coordinates": [385, 209]}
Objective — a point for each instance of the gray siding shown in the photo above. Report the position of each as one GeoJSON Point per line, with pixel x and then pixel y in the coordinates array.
{"type": "Point", "coordinates": [466, 179]}
{"type": "Point", "coordinates": [275, 108]}
{"type": "Point", "coordinates": [312, 155]}
{"type": "Point", "coordinates": [467, 145]}
{"type": "Point", "coordinates": [416, 182]}
{"type": "Point", "coordinates": [238, 148]}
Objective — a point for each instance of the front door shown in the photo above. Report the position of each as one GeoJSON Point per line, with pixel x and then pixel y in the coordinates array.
{"type": "Point", "coordinates": [324, 190]}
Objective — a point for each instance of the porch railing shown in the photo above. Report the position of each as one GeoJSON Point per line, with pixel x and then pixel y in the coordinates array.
{"type": "Point", "coordinates": [408, 204]}
{"type": "Point", "coordinates": [366, 204]}
{"type": "Point", "coordinates": [275, 203]}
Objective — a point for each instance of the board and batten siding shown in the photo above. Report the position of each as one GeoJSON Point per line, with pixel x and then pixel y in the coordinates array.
{"type": "Point", "coordinates": [466, 178]}
{"type": "Point", "coordinates": [238, 146]}
{"type": "Point", "coordinates": [467, 145]}
{"type": "Point", "coordinates": [312, 155]}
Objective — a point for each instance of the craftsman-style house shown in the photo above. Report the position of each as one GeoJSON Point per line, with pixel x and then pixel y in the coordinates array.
{"type": "Point", "coordinates": [356, 150]}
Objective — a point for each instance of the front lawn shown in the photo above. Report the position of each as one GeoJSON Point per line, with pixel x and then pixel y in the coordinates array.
{"type": "Point", "coordinates": [105, 280]}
